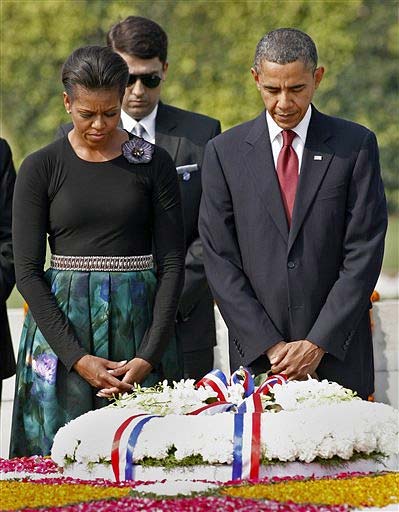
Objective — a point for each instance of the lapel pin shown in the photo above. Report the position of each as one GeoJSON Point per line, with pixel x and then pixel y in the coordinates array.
{"type": "Point", "coordinates": [317, 157]}
{"type": "Point", "coordinates": [186, 170]}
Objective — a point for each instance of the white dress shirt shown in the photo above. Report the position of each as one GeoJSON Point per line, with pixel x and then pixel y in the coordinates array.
{"type": "Point", "coordinates": [276, 138]}
{"type": "Point", "coordinates": [148, 124]}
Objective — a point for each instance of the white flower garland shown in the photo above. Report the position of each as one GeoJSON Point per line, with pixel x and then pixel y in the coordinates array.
{"type": "Point", "coordinates": [319, 419]}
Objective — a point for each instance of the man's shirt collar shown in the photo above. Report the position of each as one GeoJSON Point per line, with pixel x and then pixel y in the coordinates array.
{"type": "Point", "coordinates": [147, 122]}
{"type": "Point", "coordinates": [300, 129]}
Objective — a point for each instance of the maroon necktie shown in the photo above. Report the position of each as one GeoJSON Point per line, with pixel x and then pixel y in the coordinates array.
{"type": "Point", "coordinates": [287, 172]}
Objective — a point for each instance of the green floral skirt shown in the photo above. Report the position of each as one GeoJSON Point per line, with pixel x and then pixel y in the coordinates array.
{"type": "Point", "coordinates": [110, 312]}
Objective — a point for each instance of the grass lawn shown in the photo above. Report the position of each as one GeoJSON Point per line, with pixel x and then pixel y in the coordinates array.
{"type": "Point", "coordinates": [391, 256]}
{"type": "Point", "coordinates": [15, 300]}
{"type": "Point", "coordinates": [390, 264]}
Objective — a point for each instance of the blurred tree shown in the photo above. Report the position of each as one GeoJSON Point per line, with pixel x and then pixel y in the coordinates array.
{"type": "Point", "coordinates": [211, 51]}
{"type": "Point", "coordinates": [368, 88]}
{"type": "Point", "coordinates": [37, 36]}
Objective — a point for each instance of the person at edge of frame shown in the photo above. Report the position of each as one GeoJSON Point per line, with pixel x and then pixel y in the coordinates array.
{"type": "Point", "coordinates": [7, 273]}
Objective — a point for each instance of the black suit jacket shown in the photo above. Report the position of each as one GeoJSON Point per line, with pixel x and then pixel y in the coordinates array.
{"type": "Point", "coordinates": [7, 275]}
{"type": "Point", "coordinates": [184, 135]}
{"type": "Point", "coordinates": [312, 281]}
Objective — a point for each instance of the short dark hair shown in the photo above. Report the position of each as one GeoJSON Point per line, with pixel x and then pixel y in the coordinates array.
{"type": "Point", "coordinates": [140, 37]}
{"type": "Point", "coordinates": [95, 67]}
{"type": "Point", "coordinates": [285, 45]}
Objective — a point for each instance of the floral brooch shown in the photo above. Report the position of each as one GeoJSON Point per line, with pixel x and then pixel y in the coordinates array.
{"type": "Point", "coordinates": [137, 151]}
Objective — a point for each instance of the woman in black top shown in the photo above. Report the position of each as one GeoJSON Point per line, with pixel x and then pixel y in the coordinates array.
{"type": "Point", "coordinates": [105, 199]}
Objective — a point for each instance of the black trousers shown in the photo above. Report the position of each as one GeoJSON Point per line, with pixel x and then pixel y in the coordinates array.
{"type": "Point", "coordinates": [198, 363]}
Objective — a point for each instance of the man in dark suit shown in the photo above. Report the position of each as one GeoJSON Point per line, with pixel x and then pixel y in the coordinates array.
{"type": "Point", "coordinates": [292, 220]}
{"type": "Point", "coordinates": [143, 44]}
{"type": "Point", "coordinates": [7, 276]}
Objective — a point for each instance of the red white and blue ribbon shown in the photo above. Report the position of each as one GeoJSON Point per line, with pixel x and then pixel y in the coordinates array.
{"type": "Point", "coordinates": [247, 431]}
{"type": "Point", "coordinates": [243, 377]}
{"type": "Point", "coordinates": [124, 443]}
{"type": "Point", "coordinates": [271, 381]}
{"type": "Point", "coordinates": [247, 449]}
{"type": "Point", "coordinates": [247, 424]}
{"type": "Point", "coordinates": [211, 409]}
{"type": "Point", "coordinates": [216, 380]}
{"type": "Point", "coordinates": [251, 404]}
{"type": "Point", "coordinates": [247, 420]}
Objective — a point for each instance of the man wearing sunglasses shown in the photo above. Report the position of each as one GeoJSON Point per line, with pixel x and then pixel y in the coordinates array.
{"type": "Point", "coordinates": [143, 44]}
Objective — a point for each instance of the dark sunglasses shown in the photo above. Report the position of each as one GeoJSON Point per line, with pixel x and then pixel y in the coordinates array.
{"type": "Point", "coordinates": [150, 81]}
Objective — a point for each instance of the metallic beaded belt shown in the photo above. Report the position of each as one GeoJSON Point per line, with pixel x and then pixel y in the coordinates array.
{"type": "Point", "coordinates": [102, 263]}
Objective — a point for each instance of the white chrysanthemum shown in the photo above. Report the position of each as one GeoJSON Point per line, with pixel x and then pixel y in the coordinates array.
{"type": "Point", "coordinates": [151, 443]}
{"type": "Point", "coordinates": [235, 393]}
{"type": "Point", "coordinates": [338, 425]}
{"type": "Point", "coordinates": [310, 393]}
{"type": "Point", "coordinates": [215, 438]}
{"type": "Point", "coordinates": [180, 398]}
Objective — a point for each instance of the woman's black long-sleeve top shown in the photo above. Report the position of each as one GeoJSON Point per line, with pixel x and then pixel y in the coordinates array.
{"type": "Point", "coordinates": [112, 208]}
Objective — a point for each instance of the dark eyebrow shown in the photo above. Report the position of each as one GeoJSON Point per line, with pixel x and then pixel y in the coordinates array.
{"type": "Point", "coordinates": [82, 109]}
{"type": "Point", "coordinates": [146, 74]}
{"type": "Point", "coordinates": [271, 87]}
{"type": "Point", "coordinates": [275, 88]}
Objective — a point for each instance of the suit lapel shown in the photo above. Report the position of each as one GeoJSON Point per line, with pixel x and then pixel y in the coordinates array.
{"type": "Point", "coordinates": [164, 126]}
{"type": "Point", "coordinates": [316, 158]}
{"type": "Point", "coordinates": [258, 159]}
